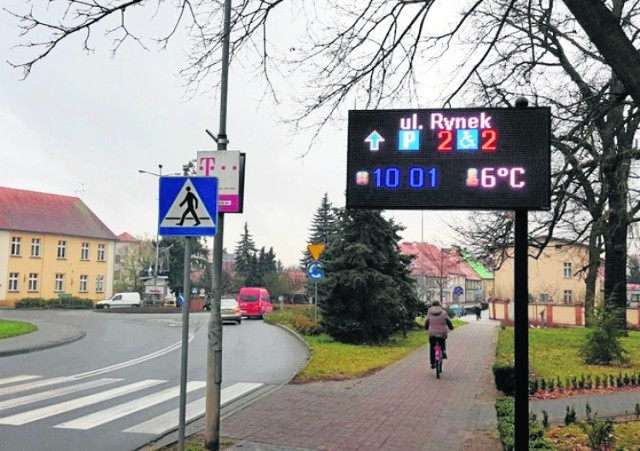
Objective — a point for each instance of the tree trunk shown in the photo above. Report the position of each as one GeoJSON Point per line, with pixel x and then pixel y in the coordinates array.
{"type": "Point", "coordinates": [604, 29]}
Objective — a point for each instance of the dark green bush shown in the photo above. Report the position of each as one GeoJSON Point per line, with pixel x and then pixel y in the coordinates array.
{"type": "Point", "coordinates": [504, 377]}
{"type": "Point", "coordinates": [602, 346]}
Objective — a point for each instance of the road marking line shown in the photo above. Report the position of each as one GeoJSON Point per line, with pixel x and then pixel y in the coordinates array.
{"type": "Point", "coordinates": [54, 409]}
{"type": "Point", "coordinates": [169, 420]}
{"type": "Point", "coordinates": [76, 377]}
{"type": "Point", "coordinates": [122, 410]}
{"type": "Point", "coordinates": [11, 380]}
{"type": "Point", "coordinates": [23, 400]}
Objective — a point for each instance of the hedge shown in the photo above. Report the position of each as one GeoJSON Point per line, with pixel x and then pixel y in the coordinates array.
{"type": "Point", "coordinates": [68, 303]}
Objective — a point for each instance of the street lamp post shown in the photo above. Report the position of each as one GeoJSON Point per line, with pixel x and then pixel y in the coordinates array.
{"type": "Point", "coordinates": [155, 271]}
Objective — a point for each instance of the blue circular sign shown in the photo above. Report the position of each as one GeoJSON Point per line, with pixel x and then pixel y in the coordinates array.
{"type": "Point", "coordinates": [458, 291]}
{"type": "Point", "coordinates": [315, 271]}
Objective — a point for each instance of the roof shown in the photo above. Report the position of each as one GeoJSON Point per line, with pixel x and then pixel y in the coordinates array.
{"type": "Point", "coordinates": [31, 211]}
{"type": "Point", "coordinates": [127, 238]}
{"type": "Point", "coordinates": [428, 260]}
{"type": "Point", "coordinates": [433, 262]}
{"type": "Point", "coordinates": [478, 267]}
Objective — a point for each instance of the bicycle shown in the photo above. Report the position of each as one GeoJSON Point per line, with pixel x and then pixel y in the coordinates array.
{"type": "Point", "coordinates": [438, 359]}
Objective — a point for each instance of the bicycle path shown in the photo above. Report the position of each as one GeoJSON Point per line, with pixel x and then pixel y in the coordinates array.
{"type": "Point", "coordinates": [402, 406]}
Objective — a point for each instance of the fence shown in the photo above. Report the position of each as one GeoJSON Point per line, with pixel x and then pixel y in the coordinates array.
{"type": "Point", "coordinates": [551, 313]}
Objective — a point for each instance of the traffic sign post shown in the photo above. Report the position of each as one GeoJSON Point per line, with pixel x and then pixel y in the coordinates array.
{"type": "Point", "coordinates": [315, 272]}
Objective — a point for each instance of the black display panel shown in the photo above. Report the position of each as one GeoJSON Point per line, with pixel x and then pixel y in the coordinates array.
{"type": "Point", "coordinates": [471, 158]}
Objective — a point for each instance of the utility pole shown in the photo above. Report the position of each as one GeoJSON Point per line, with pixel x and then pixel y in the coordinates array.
{"type": "Point", "coordinates": [214, 345]}
{"type": "Point", "coordinates": [155, 271]}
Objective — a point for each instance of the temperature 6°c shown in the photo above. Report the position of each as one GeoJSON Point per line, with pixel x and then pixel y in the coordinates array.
{"type": "Point", "coordinates": [489, 177]}
{"type": "Point", "coordinates": [417, 177]}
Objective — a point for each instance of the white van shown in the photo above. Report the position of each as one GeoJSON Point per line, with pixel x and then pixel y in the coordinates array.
{"type": "Point", "coordinates": [130, 299]}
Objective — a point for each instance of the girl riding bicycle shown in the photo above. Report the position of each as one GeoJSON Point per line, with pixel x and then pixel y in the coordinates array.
{"type": "Point", "coordinates": [438, 324]}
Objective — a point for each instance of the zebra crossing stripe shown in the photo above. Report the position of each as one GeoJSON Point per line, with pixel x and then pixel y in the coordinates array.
{"type": "Point", "coordinates": [24, 400]}
{"type": "Point", "coordinates": [122, 410]}
{"type": "Point", "coordinates": [14, 379]}
{"type": "Point", "coordinates": [169, 420]}
{"type": "Point", "coordinates": [55, 409]}
{"type": "Point", "coordinates": [33, 385]}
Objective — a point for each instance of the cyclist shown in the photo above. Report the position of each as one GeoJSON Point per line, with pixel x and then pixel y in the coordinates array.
{"type": "Point", "coordinates": [438, 324]}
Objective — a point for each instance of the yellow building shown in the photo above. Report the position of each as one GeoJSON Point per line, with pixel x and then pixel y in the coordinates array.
{"type": "Point", "coordinates": [556, 276]}
{"type": "Point", "coordinates": [52, 245]}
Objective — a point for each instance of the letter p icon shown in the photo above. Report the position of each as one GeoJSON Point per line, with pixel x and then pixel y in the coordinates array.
{"type": "Point", "coordinates": [409, 140]}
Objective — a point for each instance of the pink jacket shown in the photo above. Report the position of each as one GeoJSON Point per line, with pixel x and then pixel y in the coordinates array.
{"type": "Point", "coordinates": [438, 323]}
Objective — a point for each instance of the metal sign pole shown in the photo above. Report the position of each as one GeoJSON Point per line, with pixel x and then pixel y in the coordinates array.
{"type": "Point", "coordinates": [316, 303]}
{"type": "Point", "coordinates": [185, 341]}
{"type": "Point", "coordinates": [521, 330]}
{"type": "Point", "coordinates": [214, 344]}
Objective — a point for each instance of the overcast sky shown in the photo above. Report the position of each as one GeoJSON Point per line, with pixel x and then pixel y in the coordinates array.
{"type": "Point", "coordinates": [83, 125]}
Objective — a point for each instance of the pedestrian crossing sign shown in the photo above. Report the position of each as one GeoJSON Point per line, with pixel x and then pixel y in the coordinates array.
{"type": "Point", "coordinates": [188, 206]}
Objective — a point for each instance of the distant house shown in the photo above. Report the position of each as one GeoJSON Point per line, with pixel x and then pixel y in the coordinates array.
{"type": "Point", "coordinates": [52, 245]}
{"type": "Point", "coordinates": [556, 276]}
{"type": "Point", "coordinates": [438, 272]}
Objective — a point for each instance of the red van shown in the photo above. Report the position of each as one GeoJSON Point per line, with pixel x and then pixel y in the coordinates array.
{"type": "Point", "coordinates": [254, 302]}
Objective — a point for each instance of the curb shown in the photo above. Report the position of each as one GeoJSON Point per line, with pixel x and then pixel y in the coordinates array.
{"type": "Point", "coordinates": [43, 346]}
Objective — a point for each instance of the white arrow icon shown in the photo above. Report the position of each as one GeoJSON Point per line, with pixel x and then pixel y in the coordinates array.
{"type": "Point", "coordinates": [374, 140]}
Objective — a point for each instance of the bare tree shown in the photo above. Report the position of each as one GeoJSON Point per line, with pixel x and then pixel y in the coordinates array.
{"type": "Point", "coordinates": [374, 53]}
{"type": "Point", "coordinates": [594, 130]}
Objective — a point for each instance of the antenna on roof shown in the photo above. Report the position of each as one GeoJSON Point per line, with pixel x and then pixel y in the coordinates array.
{"type": "Point", "coordinates": [80, 193]}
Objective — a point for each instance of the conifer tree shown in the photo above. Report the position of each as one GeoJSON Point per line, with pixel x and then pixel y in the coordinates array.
{"type": "Point", "coordinates": [370, 295]}
{"type": "Point", "coordinates": [323, 228]}
{"type": "Point", "coordinates": [245, 254]}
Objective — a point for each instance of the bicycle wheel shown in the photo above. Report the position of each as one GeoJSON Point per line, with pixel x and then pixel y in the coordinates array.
{"type": "Point", "coordinates": [438, 368]}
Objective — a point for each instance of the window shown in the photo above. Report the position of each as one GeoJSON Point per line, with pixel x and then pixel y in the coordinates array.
{"type": "Point", "coordinates": [62, 249]}
{"type": "Point", "coordinates": [83, 283]}
{"type": "Point", "coordinates": [33, 281]}
{"type": "Point", "coordinates": [84, 252]}
{"type": "Point", "coordinates": [99, 283]}
{"type": "Point", "coordinates": [543, 297]}
{"type": "Point", "coordinates": [567, 270]}
{"type": "Point", "coordinates": [59, 282]}
{"type": "Point", "coordinates": [568, 297]}
{"type": "Point", "coordinates": [13, 281]}
{"type": "Point", "coordinates": [35, 247]}
{"type": "Point", "coordinates": [16, 241]}
{"type": "Point", "coordinates": [100, 252]}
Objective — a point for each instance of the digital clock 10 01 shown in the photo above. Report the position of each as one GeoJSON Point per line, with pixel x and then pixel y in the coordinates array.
{"type": "Point", "coordinates": [484, 159]}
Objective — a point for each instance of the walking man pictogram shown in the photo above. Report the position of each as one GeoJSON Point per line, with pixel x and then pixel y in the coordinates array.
{"type": "Point", "coordinates": [192, 203]}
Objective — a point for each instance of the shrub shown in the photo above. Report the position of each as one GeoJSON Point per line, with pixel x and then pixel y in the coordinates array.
{"type": "Point", "coordinates": [305, 326]}
{"type": "Point", "coordinates": [68, 303]}
{"type": "Point", "coordinates": [505, 414]}
{"type": "Point", "coordinates": [603, 346]}
{"type": "Point", "coordinates": [599, 432]}
{"type": "Point", "coordinates": [504, 377]}
{"type": "Point", "coordinates": [570, 416]}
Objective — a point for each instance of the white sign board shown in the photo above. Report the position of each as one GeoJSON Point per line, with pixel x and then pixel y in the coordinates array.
{"type": "Point", "coordinates": [225, 165]}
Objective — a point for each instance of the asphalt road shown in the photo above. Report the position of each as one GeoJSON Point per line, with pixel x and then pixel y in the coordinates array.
{"type": "Point", "coordinates": [118, 388]}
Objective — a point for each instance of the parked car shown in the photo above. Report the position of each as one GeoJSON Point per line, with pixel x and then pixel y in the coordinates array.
{"type": "Point", "coordinates": [254, 302]}
{"type": "Point", "coordinates": [169, 302]}
{"type": "Point", "coordinates": [130, 299]}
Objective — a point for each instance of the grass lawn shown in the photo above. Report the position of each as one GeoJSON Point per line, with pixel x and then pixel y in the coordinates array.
{"type": "Point", "coordinates": [332, 360]}
{"type": "Point", "coordinates": [14, 328]}
{"type": "Point", "coordinates": [554, 352]}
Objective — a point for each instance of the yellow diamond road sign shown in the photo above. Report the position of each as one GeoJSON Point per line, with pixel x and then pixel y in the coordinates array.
{"type": "Point", "coordinates": [315, 250]}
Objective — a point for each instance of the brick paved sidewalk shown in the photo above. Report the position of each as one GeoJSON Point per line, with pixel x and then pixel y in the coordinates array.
{"type": "Point", "coordinates": [403, 407]}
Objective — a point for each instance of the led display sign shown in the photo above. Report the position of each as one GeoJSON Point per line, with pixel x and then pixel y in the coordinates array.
{"type": "Point", "coordinates": [481, 159]}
